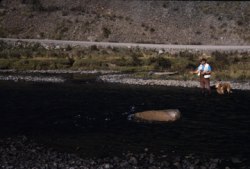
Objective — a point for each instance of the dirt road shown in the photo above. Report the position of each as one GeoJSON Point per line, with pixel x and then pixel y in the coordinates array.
{"type": "Point", "coordinates": [133, 45]}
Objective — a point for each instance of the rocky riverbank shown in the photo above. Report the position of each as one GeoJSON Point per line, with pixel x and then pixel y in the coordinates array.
{"type": "Point", "coordinates": [104, 76]}
{"type": "Point", "coordinates": [21, 152]}
{"type": "Point", "coordinates": [59, 71]}
{"type": "Point", "coordinates": [129, 79]}
{"type": "Point", "coordinates": [32, 75]}
{"type": "Point", "coordinates": [16, 78]}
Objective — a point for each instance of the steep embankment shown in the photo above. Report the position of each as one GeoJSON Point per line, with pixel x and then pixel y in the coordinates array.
{"type": "Point", "coordinates": [169, 22]}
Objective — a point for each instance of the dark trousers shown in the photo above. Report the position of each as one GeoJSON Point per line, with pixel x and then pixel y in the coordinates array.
{"type": "Point", "coordinates": [205, 85]}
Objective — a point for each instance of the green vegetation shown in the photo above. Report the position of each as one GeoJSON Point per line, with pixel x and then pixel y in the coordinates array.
{"type": "Point", "coordinates": [234, 65]}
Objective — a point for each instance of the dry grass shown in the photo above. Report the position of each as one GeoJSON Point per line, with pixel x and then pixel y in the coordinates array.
{"type": "Point", "coordinates": [235, 66]}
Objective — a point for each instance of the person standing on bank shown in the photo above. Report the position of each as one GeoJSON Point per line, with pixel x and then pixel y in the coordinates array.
{"type": "Point", "coordinates": [204, 71]}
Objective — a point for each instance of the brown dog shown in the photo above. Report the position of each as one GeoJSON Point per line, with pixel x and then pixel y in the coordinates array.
{"type": "Point", "coordinates": [221, 88]}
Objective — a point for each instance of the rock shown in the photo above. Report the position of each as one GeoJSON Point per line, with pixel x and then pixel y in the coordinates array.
{"type": "Point", "coordinates": [49, 158]}
{"type": "Point", "coordinates": [24, 138]}
{"type": "Point", "coordinates": [153, 167]}
{"type": "Point", "coordinates": [116, 159]}
{"type": "Point", "coordinates": [133, 161]}
{"type": "Point", "coordinates": [191, 167]}
{"type": "Point", "coordinates": [177, 164]}
{"type": "Point", "coordinates": [12, 148]}
{"type": "Point", "coordinates": [124, 164]}
{"type": "Point", "coordinates": [107, 166]}
{"type": "Point", "coordinates": [213, 166]}
{"type": "Point", "coordinates": [151, 159]}
{"type": "Point", "coordinates": [165, 164]}
{"type": "Point", "coordinates": [235, 160]}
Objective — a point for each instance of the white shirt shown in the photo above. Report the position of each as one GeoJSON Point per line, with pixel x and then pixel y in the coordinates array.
{"type": "Point", "coordinates": [204, 68]}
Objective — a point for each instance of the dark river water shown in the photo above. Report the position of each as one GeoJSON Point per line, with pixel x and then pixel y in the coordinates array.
{"type": "Point", "coordinates": [91, 117]}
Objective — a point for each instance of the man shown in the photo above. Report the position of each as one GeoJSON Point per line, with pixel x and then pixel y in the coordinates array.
{"type": "Point", "coordinates": [204, 71]}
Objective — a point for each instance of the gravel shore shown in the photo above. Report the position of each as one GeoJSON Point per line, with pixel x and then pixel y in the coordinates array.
{"type": "Point", "coordinates": [22, 153]}
{"type": "Point", "coordinates": [106, 76]}
{"type": "Point", "coordinates": [128, 79]}
{"type": "Point", "coordinates": [59, 71]}
{"type": "Point", "coordinates": [17, 78]}
{"type": "Point", "coordinates": [31, 75]}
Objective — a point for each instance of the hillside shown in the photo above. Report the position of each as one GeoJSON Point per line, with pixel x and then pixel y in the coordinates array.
{"type": "Point", "coordinates": [168, 22]}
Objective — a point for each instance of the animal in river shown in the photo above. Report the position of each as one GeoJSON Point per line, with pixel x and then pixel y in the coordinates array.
{"type": "Point", "coordinates": [221, 87]}
{"type": "Point", "coordinates": [158, 115]}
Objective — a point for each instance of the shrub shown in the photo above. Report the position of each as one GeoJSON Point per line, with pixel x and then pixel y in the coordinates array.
{"type": "Point", "coordinates": [24, 64]}
{"type": "Point", "coordinates": [4, 63]}
{"type": "Point", "coordinates": [3, 33]}
{"type": "Point", "coordinates": [191, 66]}
{"type": "Point", "coordinates": [36, 4]}
{"type": "Point", "coordinates": [152, 30]}
{"type": "Point", "coordinates": [36, 46]}
{"type": "Point", "coordinates": [68, 48]}
{"type": "Point", "coordinates": [220, 57]}
{"type": "Point", "coordinates": [14, 54]}
{"type": "Point", "coordinates": [94, 48]}
{"type": "Point", "coordinates": [43, 64]}
{"type": "Point", "coordinates": [65, 13]}
{"type": "Point", "coordinates": [187, 54]}
{"type": "Point", "coordinates": [135, 60]}
{"type": "Point", "coordinates": [159, 62]}
{"type": "Point", "coordinates": [106, 32]}
{"type": "Point", "coordinates": [63, 63]}
{"type": "Point", "coordinates": [164, 5]}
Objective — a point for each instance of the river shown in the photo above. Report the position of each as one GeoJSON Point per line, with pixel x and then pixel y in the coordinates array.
{"type": "Point", "coordinates": [91, 117]}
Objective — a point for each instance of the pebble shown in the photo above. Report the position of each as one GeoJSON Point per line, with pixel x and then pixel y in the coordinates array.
{"type": "Point", "coordinates": [128, 79]}
{"type": "Point", "coordinates": [59, 71]}
{"type": "Point", "coordinates": [133, 160]}
{"type": "Point", "coordinates": [107, 76]}
{"type": "Point", "coordinates": [107, 166]}
{"type": "Point", "coordinates": [22, 75]}
{"type": "Point", "coordinates": [49, 158]}
{"type": "Point", "coordinates": [235, 160]}
{"type": "Point", "coordinates": [16, 78]}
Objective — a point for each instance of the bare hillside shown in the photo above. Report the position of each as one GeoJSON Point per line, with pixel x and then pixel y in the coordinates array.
{"type": "Point", "coordinates": [168, 22]}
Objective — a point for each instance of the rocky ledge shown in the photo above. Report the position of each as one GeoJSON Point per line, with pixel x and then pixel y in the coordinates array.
{"type": "Point", "coordinates": [128, 79]}
{"type": "Point", "coordinates": [22, 153]}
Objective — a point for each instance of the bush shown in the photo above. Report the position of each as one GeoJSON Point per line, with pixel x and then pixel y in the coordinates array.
{"type": "Point", "coordinates": [14, 54]}
{"type": "Point", "coordinates": [135, 60]}
{"type": "Point", "coordinates": [68, 48]}
{"type": "Point", "coordinates": [220, 57]}
{"type": "Point", "coordinates": [61, 63]}
{"type": "Point", "coordinates": [106, 32]}
{"type": "Point", "coordinates": [36, 4]}
{"type": "Point", "coordinates": [152, 30]}
{"type": "Point", "coordinates": [24, 64]}
{"type": "Point", "coordinates": [159, 62]}
{"type": "Point", "coordinates": [3, 33]}
{"type": "Point", "coordinates": [186, 54]}
{"type": "Point", "coordinates": [191, 66]}
{"type": "Point", "coordinates": [42, 65]}
{"type": "Point", "coordinates": [94, 48]}
{"type": "Point", "coordinates": [4, 63]}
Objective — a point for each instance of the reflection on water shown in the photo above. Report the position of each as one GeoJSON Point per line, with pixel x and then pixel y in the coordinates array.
{"type": "Point", "coordinates": [94, 116]}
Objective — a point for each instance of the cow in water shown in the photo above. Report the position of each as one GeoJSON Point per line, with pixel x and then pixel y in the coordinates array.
{"type": "Point", "coordinates": [167, 115]}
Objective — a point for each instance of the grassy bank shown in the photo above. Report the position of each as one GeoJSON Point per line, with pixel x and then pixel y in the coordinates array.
{"type": "Point", "coordinates": [24, 56]}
